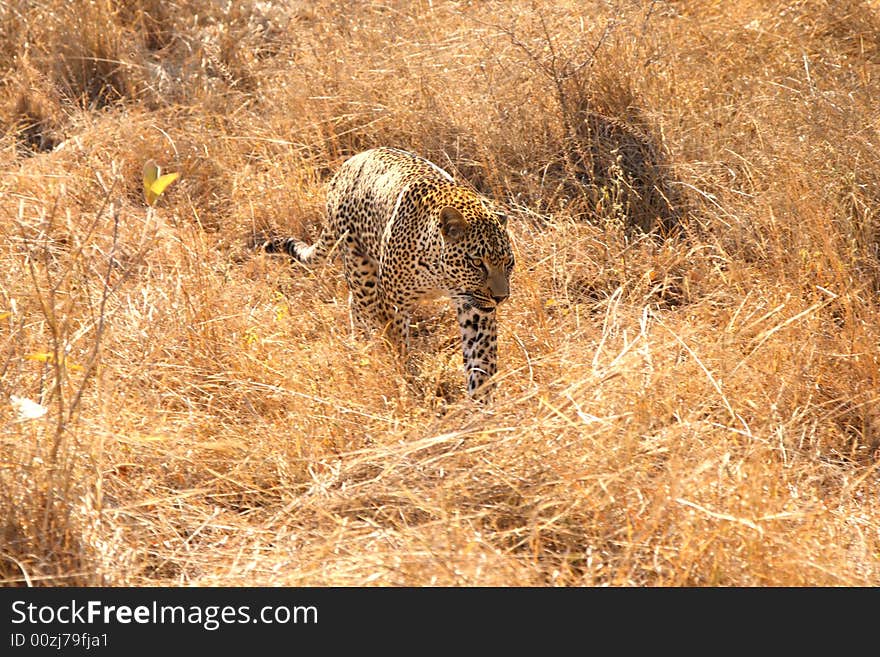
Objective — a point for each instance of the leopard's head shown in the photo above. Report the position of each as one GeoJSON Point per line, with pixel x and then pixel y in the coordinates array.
{"type": "Point", "coordinates": [477, 259]}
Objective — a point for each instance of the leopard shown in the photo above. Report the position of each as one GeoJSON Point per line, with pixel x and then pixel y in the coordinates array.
{"type": "Point", "coordinates": [406, 231]}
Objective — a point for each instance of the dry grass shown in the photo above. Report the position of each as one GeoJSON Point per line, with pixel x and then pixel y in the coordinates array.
{"type": "Point", "coordinates": [689, 359]}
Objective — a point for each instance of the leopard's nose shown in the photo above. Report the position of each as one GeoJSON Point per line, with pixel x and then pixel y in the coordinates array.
{"type": "Point", "coordinates": [497, 286]}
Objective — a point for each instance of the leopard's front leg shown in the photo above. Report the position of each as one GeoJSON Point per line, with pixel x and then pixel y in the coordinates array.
{"type": "Point", "coordinates": [479, 343]}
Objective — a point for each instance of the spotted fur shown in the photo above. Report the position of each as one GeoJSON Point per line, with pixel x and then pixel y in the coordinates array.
{"type": "Point", "coordinates": [405, 231]}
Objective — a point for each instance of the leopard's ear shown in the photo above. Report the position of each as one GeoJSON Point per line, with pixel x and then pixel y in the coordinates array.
{"type": "Point", "coordinates": [453, 225]}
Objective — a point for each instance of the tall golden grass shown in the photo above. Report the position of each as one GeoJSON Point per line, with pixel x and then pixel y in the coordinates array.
{"type": "Point", "coordinates": [688, 384]}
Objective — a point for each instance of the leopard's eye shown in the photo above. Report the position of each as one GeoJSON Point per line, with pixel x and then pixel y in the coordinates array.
{"type": "Point", "coordinates": [477, 262]}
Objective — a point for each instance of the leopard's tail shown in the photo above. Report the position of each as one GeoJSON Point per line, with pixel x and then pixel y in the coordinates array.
{"type": "Point", "coordinates": [308, 254]}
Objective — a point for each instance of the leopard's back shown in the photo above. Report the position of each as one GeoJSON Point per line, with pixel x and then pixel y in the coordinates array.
{"type": "Point", "coordinates": [362, 195]}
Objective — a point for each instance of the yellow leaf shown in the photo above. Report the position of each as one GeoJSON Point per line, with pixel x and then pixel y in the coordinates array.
{"type": "Point", "coordinates": [159, 186]}
{"type": "Point", "coordinates": [48, 357]}
{"type": "Point", "coordinates": [42, 356]}
{"type": "Point", "coordinates": [5, 315]}
{"type": "Point", "coordinates": [151, 174]}
{"type": "Point", "coordinates": [154, 182]}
